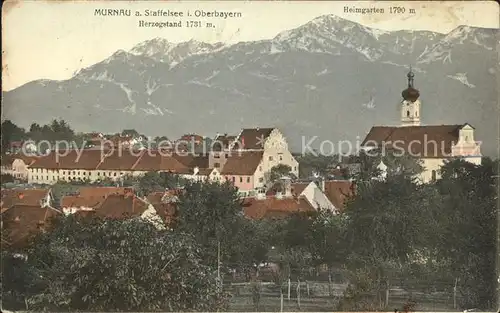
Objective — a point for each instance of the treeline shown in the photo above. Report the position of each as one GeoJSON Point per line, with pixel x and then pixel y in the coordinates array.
{"type": "Point", "coordinates": [393, 231]}
{"type": "Point", "coordinates": [56, 130]}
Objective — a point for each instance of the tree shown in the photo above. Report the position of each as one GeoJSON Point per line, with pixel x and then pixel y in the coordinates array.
{"type": "Point", "coordinates": [7, 178]}
{"type": "Point", "coordinates": [468, 222]}
{"type": "Point", "coordinates": [388, 222]}
{"type": "Point", "coordinates": [130, 133]}
{"type": "Point", "coordinates": [279, 171]}
{"type": "Point", "coordinates": [119, 265]}
{"type": "Point", "coordinates": [213, 213]}
{"type": "Point", "coordinates": [320, 164]}
{"type": "Point", "coordinates": [10, 133]}
{"type": "Point", "coordinates": [61, 189]}
{"type": "Point", "coordinates": [158, 181]}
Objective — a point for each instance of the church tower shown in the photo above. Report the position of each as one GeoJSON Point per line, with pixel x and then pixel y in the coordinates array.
{"type": "Point", "coordinates": [410, 106]}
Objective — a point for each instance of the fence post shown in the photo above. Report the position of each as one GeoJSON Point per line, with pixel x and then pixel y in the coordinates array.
{"type": "Point", "coordinates": [281, 301]}
{"type": "Point", "coordinates": [289, 286]}
{"type": "Point", "coordinates": [455, 294]}
{"type": "Point", "coordinates": [298, 293]}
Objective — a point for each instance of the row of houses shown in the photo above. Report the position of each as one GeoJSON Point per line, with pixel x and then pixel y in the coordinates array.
{"type": "Point", "coordinates": [27, 211]}
{"type": "Point", "coordinates": [245, 160]}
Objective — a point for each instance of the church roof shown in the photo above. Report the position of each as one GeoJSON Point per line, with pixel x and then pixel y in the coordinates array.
{"type": "Point", "coordinates": [420, 141]}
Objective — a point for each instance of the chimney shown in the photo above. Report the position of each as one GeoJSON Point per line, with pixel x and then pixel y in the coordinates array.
{"type": "Point", "coordinates": [242, 142]}
{"type": "Point", "coordinates": [321, 183]}
{"type": "Point", "coordinates": [287, 187]}
{"type": "Point", "coordinates": [21, 196]}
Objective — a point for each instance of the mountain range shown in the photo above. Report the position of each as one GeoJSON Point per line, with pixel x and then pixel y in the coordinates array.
{"type": "Point", "coordinates": [331, 78]}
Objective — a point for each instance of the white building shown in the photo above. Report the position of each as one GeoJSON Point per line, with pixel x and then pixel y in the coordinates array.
{"type": "Point", "coordinates": [432, 144]}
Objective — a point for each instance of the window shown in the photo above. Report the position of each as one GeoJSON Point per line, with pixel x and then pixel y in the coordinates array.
{"type": "Point", "coordinates": [78, 172]}
{"type": "Point", "coordinates": [241, 179]}
{"type": "Point", "coordinates": [109, 174]}
{"type": "Point", "coordinates": [248, 179]}
{"type": "Point", "coordinates": [234, 179]}
{"type": "Point", "coordinates": [270, 158]}
{"type": "Point", "coordinates": [47, 177]}
{"type": "Point", "coordinates": [64, 172]}
{"type": "Point", "coordinates": [227, 155]}
{"type": "Point", "coordinates": [216, 156]}
{"type": "Point", "coordinates": [216, 165]}
{"type": "Point", "coordinates": [98, 173]}
{"type": "Point", "coordinates": [407, 113]}
{"type": "Point", "coordinates": [281, 158]}
{"type": "Point", "coordinates": [261, 179]}
{"type": "Point", "coordinates": [74, 172]}
{"type": "Point", "coordinates": [466, 138]}
{"type": "Point", "coordinates": [433, 175]}
{"type": "Point", "coordinates": [295, 168]}
{"type": "Point", "coordinates": [114, 174]}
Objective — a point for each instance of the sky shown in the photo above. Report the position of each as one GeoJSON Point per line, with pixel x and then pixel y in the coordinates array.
{"type": "Point", "coordinates": [54, 39]}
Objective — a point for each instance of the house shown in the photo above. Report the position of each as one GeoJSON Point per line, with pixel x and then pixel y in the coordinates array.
{"type": "Point", "coordinates": [123, 206]}
{"type": "Point", "coordinates": [272, 207]}
{"type": "Point", "coordinates": [314, 195]}
{"type": "Point", "coordinates": [433, 145]}
{"type": "Point", "coordinates": [247, 159]}
{"type": "Point", "coordinates": [26, 197]}
{"type": "Point", "coordinates": [245, 170]}
{"type": "Point", "coordinates": [90, 198]}
{"type": "Point", "coordinates": [24, 213]}
{"type": "Point", "coordinates": [165, 204]}
{"type": "Point", "coordinates": [17, 165]}
{"type": "Point", "coordinates": [64, 165]}
{"type": "Point", "coordinates": [248, 166]}
{"type": "Point", "coordinates": [338, 192]}
{"type": "Point", "coordinates": [74, 203]}
{"type": "Point", "coordinates": [281, 203]}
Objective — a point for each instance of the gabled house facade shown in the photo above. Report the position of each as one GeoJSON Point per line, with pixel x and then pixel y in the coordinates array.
{"type": "Point", "coordinates": [247, 159]}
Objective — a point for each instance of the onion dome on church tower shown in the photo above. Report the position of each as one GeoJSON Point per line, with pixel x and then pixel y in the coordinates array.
{"type": "Point", "coordinates": [410, 93]}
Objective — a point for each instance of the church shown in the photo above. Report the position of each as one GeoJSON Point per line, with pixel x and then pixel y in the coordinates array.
{"type": "Point", "coordinates": [432, 144]}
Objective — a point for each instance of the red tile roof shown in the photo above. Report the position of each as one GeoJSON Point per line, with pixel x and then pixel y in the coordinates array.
{"type": "Point", "coordinates": [155, 197]}
{"type": "Point", "coordinates": [25, 197]}
{"type": "Point", "coordinates": [297, 188]}
{"type": "Point", "coordinates": [121, 159]}
{"type": "Point", "coordinates": [78, 202]}
{"type": "Point", "coordinates": [338, 191]}
{"type": "Point", "coordinates": [223, 142]}
{"type": "Point", "coordinates": [120, 206]}
{"type": "Point", "coordinates": [242, 163]}
{"type": "Point", "coordinates": [103, 192]}
{"type": "Point", "coordinates": [419, 141]}
{"type": "Point", "coordinates": [191, 138]}
{"type": "Point", "coordinates": [20, 222]}
{"type": "Point", "coordinates": [253, 138]}
{"type": "Point", "coordinates": [272, 206]}
{"type": "Point", "coordinates": [86, 160]}
{"type": "Point", "coordinates": [10, 158]}
{"type": "Point", "coordinates": [159, 162]}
